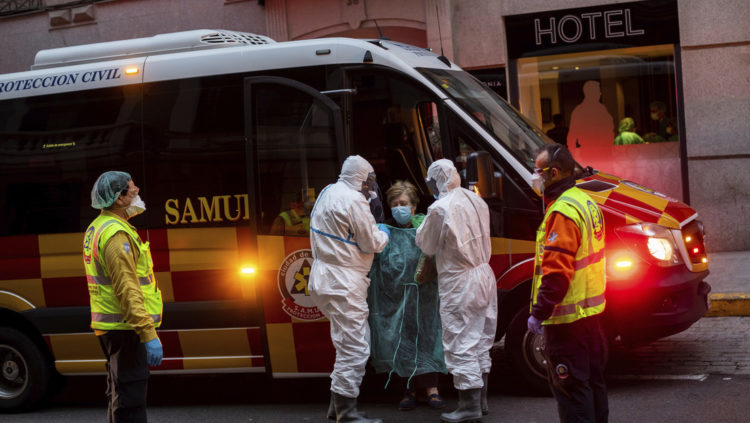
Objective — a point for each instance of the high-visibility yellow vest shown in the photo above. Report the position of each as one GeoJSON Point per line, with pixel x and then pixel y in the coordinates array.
{"type": "Point", "coordinates": [295, 224]}
{"type": "Point", "coordinates": [105, 308]}
{"type": "Point", "coordinates": [585, 296]}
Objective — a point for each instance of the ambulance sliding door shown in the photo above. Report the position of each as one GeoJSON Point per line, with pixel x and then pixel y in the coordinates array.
{"type": "Point", "coordinates": [295, 148]}
{"type": "Point", "coordinates": [195, 187]}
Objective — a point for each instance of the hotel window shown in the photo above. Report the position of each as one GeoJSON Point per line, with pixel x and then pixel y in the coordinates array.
{"type": "Point", "coordinates": [619, 107]}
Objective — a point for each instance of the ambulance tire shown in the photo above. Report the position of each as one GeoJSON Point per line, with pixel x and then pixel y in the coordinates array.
{"type": "Point", "coordinates": [524, 352]}
{"type": "Point", "coordinates": [24, 371]}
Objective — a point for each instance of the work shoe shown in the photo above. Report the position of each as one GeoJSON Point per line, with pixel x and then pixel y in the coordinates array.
{"type": "Point", "coordinates": [469, 407]}
{"type": "Point", "coordinates": [346, 411]}
{"type": "Point", "coordinates": [485, 407]}
{"type": "Point", "coordinates": [408, 402]}
{"type": "Point", "coordinates": [435, 401]}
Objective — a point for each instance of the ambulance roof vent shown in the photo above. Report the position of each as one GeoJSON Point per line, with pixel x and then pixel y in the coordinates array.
{"type": "Point", "coordinates": [228, 37]}
{"type": "Point", "coordinates": [174, 42]}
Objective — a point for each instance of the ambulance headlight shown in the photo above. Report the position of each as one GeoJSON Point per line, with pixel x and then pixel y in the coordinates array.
{"type": "Point", "coordinates": [660, 248]}
{"type": "Point", "coordinates": [651, 241]}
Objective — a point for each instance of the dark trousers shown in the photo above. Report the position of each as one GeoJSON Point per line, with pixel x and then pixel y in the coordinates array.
{"type": "Point", "coordinates": [127, 376]}
{"type": "Point", "coordinates": [575, 368]}
{"type": "Point", "coordinates": [423, 381]}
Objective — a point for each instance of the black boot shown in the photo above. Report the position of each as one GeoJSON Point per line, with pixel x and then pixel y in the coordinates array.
{"type": "Point", "coordinates": [331, 413]}
{"type": "Point", "coordinates": [469, 407]}
{"type": "Point", "coordinates": [485, 407]}
{"type": "Point", "coordinates": [346, 411]}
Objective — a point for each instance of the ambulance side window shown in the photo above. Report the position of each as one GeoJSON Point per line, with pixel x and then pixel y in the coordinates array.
{"type": "Point", "coordinates": [52, 149]}
{"type": "Point", "coordinates": [513, 215]}
{"type": "Point", "coordinates": [296, 155]}
{"type": "Point", "coordinates": [195, 153]}
{"type": "Point", "coordinates": [395, 126]}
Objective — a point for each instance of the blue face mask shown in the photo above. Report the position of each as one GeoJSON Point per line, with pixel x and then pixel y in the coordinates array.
{"type": "Point", "coordinates": [401, 214]}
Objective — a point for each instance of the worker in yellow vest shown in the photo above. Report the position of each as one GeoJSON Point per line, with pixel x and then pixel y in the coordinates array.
{"type": "Point", "coordinates": [567, 295]}
{"type": "Point", "coordinates": [296, 220]}
{"type": "Point", "coordinates": [126, 303]}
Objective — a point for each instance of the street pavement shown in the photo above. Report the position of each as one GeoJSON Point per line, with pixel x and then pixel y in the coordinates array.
{"type": "Point", "coordinates": [730, 283]}
{"type": "Point", "coordinates": [713, 345]}
{"type": "Point", "coordinates": [701, 374]}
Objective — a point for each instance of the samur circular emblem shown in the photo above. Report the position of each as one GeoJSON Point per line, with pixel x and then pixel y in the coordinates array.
{"type": "Point", "coordinates": [294, 274]}
{"type": "Point", "coordinates": [597, 220]}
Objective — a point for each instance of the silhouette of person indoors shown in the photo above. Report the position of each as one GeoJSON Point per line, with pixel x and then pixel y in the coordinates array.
{"type": "Point", "coordinates": [627, 134]}
{"type": "Point", "coordinates": [590, 123]}
{"type": "Point", "coordinates": [667, 127]}
{"type": "Point", "coordinates": [592, 129]}
{"type": "Point", "coordinates": [559, 133]}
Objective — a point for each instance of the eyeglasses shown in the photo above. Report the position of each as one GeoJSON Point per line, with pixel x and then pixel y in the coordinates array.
{"type": "Point", "coordinates": [539, 170]}
{"type": "Point", "coordinates": [127, 191]}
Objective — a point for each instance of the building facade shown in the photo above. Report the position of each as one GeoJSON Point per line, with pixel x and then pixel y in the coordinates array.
{"type": "Point", "coordinates": [655, 91]}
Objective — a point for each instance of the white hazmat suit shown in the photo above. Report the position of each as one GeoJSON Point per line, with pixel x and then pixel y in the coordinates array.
{"type": "Point", "coordinates": [344, 236]}
{"type": "Point", "coordinates": [457, 230]}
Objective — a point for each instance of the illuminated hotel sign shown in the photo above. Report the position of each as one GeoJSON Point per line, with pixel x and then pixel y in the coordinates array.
{"type": "Point", "coordinates": [593, 28]}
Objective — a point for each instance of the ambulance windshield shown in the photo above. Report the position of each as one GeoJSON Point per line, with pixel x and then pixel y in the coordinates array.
{"type": "Point", "coordinates": [509, 127]}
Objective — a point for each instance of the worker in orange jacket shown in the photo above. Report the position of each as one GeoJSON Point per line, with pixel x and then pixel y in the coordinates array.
{"type": "Point", "coordinates": [567, 296]}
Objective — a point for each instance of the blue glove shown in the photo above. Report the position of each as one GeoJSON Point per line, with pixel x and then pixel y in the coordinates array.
{"type": "Point", "coordinates": [534, 325]}
{"type": "Point", "coordinates": [385, 229]}
{"type": "Point", "coordinates": [154, 352]}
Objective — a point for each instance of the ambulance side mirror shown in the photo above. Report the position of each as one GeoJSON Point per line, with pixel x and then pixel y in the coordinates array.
{"type": "Point", "coordinates": [482, 177]}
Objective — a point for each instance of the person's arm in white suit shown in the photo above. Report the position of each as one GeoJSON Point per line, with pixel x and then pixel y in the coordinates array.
{"type": "Point", "coordinates": [429, 233]}
{"type": "Point", "coordinates": [369, 238]}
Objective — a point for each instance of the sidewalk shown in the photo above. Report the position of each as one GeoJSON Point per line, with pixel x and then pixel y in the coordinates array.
{"type": "Point", "coordinates": [730, 283]}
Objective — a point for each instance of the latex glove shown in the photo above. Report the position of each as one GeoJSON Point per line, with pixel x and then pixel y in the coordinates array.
{"type": "Point", "coordinates": [534, 325]}
{"type": "Point", "coordinates": [154, 352]}
{"type": "Point", "coordinates": [385, 229]}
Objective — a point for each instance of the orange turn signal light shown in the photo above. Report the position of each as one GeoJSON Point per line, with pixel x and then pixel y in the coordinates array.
{"type": "Point", "coordinates": [247, 270]}
{"type": "Point", "coordinates": [132, 70]}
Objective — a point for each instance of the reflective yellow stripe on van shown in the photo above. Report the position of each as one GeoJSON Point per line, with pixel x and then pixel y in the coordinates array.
{"type": "Point", "coordinates": [60, 255]}
{"type": "Point", "coordinates": [270, 252]}
{"type": "Point", "coordinates": [503, 246]}
{"type": "Point", "coordinates": [281, 347]}
{"type": "Point", "coordinates": [202, 248]}
{"type": "Point", "coordinates": [30, 290]}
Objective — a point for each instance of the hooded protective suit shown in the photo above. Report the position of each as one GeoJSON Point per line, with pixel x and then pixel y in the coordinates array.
{"type": "Point", "coordinates": [457, 230]}
{"type": "Point", "coordinates": [344, 238]}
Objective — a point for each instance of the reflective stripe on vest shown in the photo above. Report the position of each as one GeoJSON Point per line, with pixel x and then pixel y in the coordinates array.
{"type": "Point", "coordinates": [106, 313]}
{"type": "Point", "coordinates": [103, 280]}
{"type": "Point", "coordinates": [117, 318]}
{"type": "Point", "coordinates": [585, 296]}
{"type": "Point", "coordinates": [561, 310]}
{"type": "Point", "coordinates": [348, 239]}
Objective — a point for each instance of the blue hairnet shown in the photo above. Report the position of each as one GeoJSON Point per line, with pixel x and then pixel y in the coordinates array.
{"type": "Point", "coordinates": [108, 187]}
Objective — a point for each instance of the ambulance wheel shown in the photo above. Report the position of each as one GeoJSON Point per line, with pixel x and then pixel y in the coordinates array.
{"type": "Point", "coordinates": [24, 371]}
{"type": "Point", "coordinates": [525, 353]}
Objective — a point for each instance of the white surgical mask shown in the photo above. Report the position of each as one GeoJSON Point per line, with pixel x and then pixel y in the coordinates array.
{"type": "Point", "coordinates": [136, 207]}
{"type": "Point", "coordinates": [537, 183]}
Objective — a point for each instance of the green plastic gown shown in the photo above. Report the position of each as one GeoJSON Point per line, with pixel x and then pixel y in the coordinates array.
{"type": "Point", "coordinates": [406, 334]}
